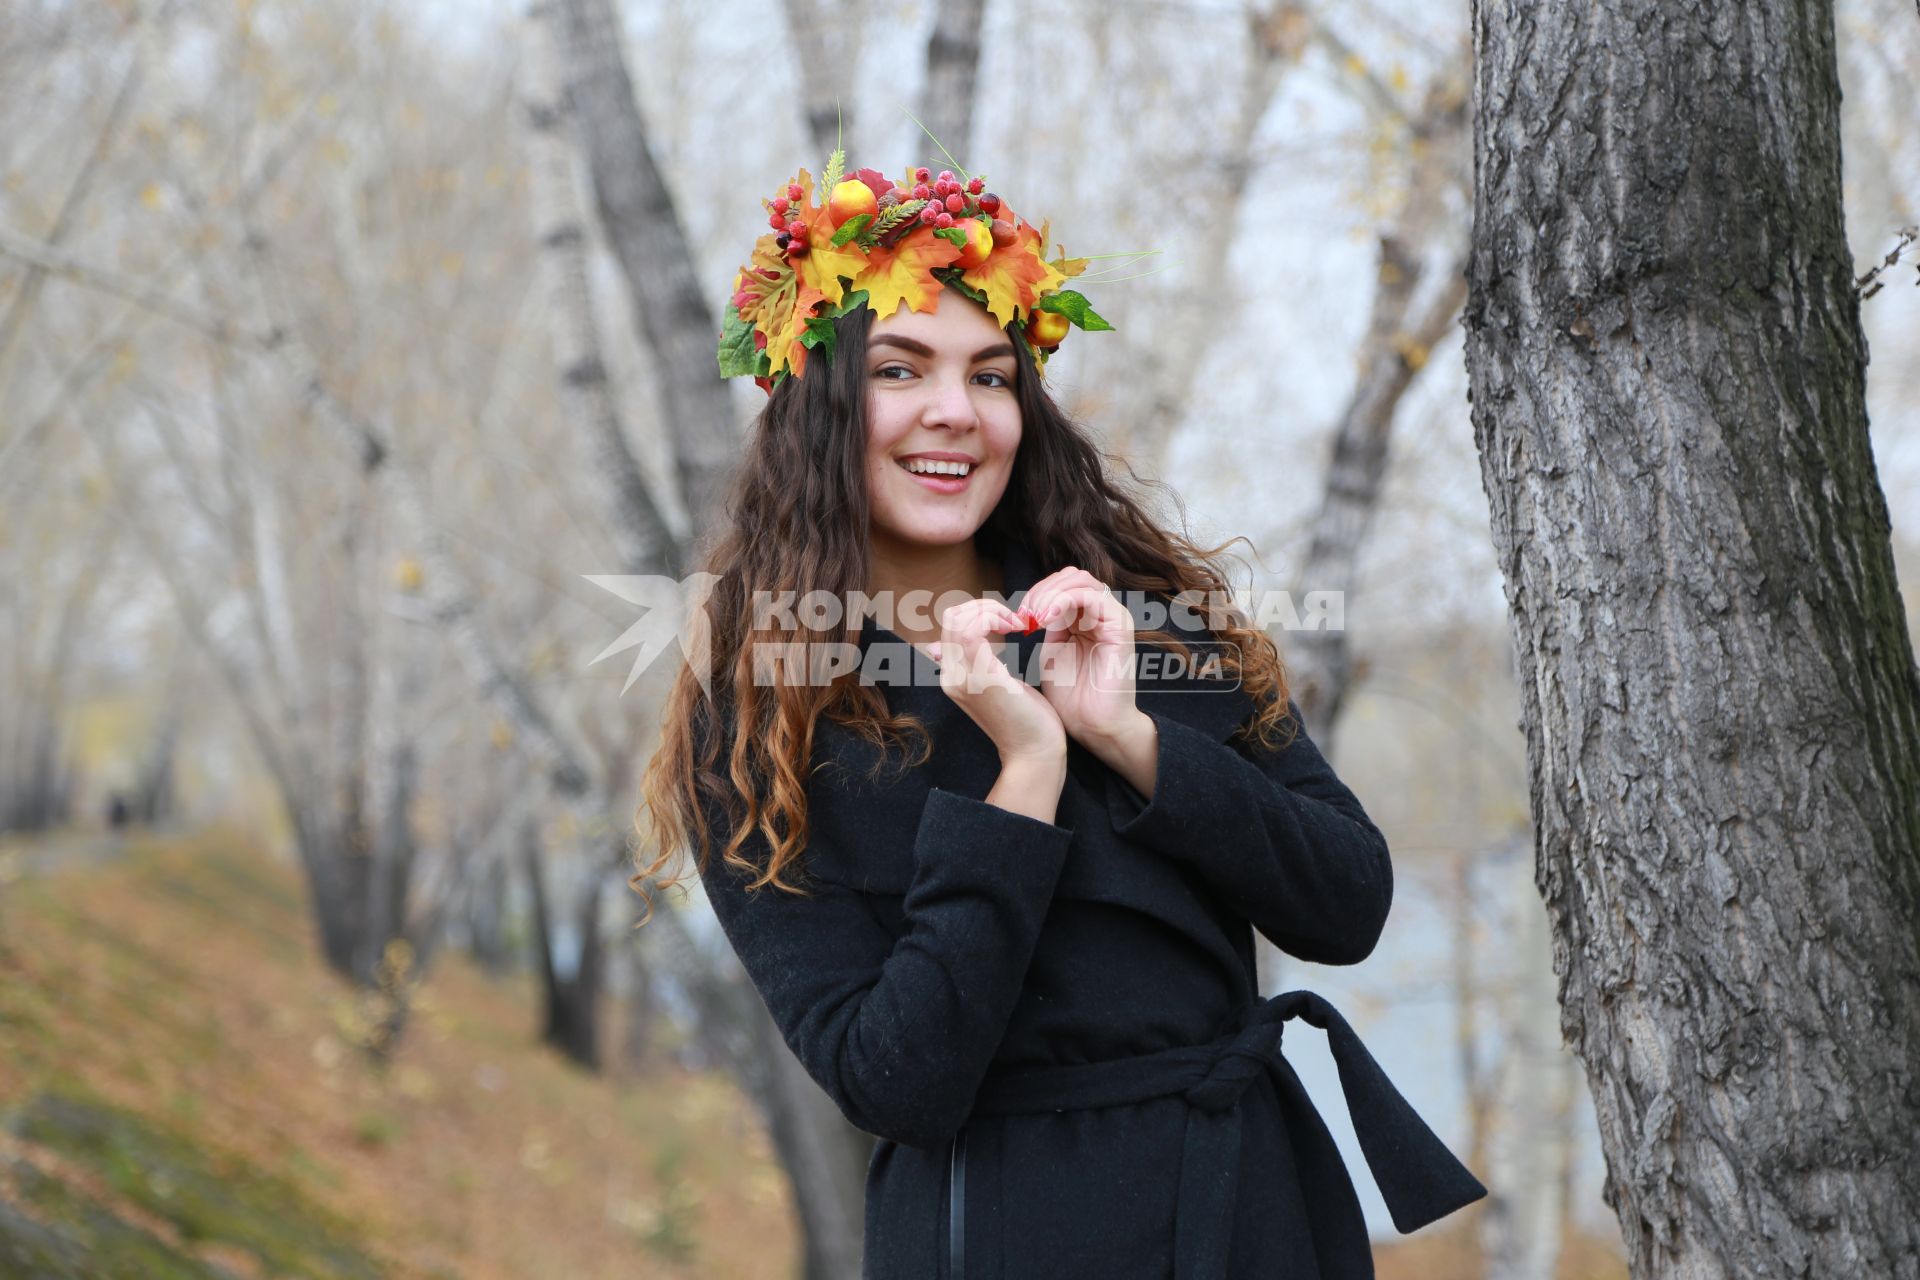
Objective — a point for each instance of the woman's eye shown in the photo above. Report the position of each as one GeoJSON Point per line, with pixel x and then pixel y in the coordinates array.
{"type": "Point", "coordinates": [884, 370]}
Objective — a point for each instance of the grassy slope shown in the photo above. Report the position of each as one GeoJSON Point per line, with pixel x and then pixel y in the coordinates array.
{"type": "Point", "coordinates": [179, 1098]}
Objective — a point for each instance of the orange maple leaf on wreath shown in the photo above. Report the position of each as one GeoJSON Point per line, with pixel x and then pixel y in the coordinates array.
{"type": "Point", "coordinates": [904, 273]}
{"type": "Point", "coordinates": [1015, 276]}
{"type": "Point", "coordinates": [784, 346]}
{"type": "Point", "coordinates": [765, 279]}
{"type": "Point", "coordinates": [823, 263]}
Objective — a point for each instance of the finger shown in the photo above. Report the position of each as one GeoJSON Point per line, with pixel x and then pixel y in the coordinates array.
{"type": "Point", "coordinates": [1042, 592]}
{"type": "Point", "coordinates": [1066, 608]}
{"type": "Point", "coordinates": [1003, 618]}
{"type": "Point", "coordinates": [968, 637]}
{"type": "Point", "coordinates": [1042, 595]}
{"type": "Point", "coordinates": [1094, 610]}
{"type": "Point", "coordinates": [982, 617]}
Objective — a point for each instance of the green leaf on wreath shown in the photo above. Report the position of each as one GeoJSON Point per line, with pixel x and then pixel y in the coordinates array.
{"type": "Point", "coordinates": [848, 302]}
{"type": "Point", "coordinates": [820, 335]}
{"type": "Point", "coordinates": [851, 227]}
{"type": "Point", "coordinates": [738, 355]}
{"type": "Point", "coordinates": [950, 278]}
{"type": "Point", "coordinates": [1074, 307]}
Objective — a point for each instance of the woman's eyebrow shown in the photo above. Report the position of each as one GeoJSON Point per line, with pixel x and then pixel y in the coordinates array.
{"type": "Point", "coordinates": [922, 349]}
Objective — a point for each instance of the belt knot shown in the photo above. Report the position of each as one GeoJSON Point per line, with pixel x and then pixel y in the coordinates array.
{"type": "Point", "coordinates": [1238, 1065]}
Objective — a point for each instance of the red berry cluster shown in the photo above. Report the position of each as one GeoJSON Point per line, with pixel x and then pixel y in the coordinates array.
{"type": "Point", "coordinates": [793, 232]}
{"type": "Point", "coordinates": [947, 199]}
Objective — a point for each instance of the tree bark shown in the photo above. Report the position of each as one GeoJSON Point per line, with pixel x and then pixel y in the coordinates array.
{"type": "Point", "coordinates": [570, 995]}
{"type": "Point", "coordinates": [672, 312]}
{"type": "Point", "coordinates": [1522, 1227]}
{"type": "Point", "coordinates": [645, 544]}
{"type": "Point", "coordinates": [1720, 701]}
{"type": "Point", "coordinates": [953, 73]}
{"type": "Point", "coordinates": [825, 35]}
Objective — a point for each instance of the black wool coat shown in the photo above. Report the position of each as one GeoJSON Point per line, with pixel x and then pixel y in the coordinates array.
{"type": "Point", "coordinates": [1054, 1028]}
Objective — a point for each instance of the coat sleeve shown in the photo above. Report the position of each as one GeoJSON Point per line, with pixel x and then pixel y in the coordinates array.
{"type": "Point", "coordinates": [1275, 832]}
{"type": "Point", "coordinates": [900, 1033]}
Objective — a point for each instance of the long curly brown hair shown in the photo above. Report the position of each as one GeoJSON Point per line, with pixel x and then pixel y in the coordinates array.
{"type": "Point", "coordinates": [796, 520]}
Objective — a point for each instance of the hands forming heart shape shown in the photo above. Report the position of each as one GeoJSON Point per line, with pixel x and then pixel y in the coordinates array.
{"type": "Point", "coordinates": [1086, 659]}
{"type": "Point", "coordinates": [1086, 676]}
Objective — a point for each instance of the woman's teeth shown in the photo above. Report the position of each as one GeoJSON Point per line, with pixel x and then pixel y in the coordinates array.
{"type": "Point", "coordinates": [930, 467]}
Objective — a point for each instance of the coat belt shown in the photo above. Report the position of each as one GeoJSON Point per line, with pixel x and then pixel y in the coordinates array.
{"type": "Point", "coordinates": [1419, 1179]}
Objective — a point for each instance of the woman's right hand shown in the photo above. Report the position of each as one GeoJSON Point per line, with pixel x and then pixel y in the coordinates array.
{"type": "Point", "coordinates": [1017, 717]}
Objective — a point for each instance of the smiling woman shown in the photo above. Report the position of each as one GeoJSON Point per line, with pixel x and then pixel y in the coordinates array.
{"type": "Point", "coordinates": [943, 429]}
{"type": "Point", "coordinates": [1020, 949]}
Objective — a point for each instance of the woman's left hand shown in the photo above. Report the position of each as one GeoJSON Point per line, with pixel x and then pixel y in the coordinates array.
{"type": "Point", "coordinates": [1087, 656]}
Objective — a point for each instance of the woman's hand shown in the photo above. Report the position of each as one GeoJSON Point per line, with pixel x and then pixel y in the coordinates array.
{"type": "Point", "coordinates": [1014, 714]}
{"type": "Point", "coordinates": [1086, 660]}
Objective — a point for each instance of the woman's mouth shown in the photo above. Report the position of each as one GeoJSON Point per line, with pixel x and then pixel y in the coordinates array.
{"type": "Point", "coordinates": [940, 477]}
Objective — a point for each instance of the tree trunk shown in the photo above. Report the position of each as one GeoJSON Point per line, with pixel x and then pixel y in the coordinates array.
{"type": "Point", "coordinates": [1525, 1217]}
{"type": "Point", "coordinates": [953, 71]}
{"type": "Point", "coordinates": [487, 918]}
{"type": "Point", "coordinates": [151, 799]}
{"type": "Point", "coordinates": [640, 1008]}
{"type": "Point", "coordinates": [644, 542]}
{"type": "Point", "coordinates": [570, 991]}
{"type": "Point", "coordinates": [824, 1157]}
{"type": "Point", "coordinates": [1718, 689]}
{"type": "Point", "coordinates": [826, 44]}
{"type": "Point", "coordinates": [1468, 997]}
{"type": "Point", "coordinates": [672, 311]}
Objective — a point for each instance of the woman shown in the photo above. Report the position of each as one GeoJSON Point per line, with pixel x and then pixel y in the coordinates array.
{"type": "Point", "coordinates": [1005, 917]}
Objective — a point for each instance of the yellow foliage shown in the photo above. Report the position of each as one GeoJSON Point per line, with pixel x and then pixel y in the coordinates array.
{"type": "Point", "coordinates": [125, 360]}
{"type": "Point", "coordinates": [904, 273]}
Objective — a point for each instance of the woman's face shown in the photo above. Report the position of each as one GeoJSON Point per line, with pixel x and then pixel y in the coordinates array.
{"type": "Point", "coordinates": [940, 384]}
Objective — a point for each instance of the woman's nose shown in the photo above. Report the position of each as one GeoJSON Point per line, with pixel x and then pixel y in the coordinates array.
{"type": "Point", "coordinates": [950, 403]}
